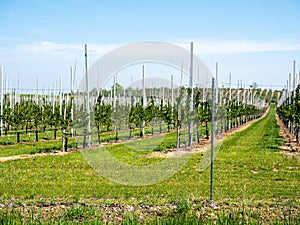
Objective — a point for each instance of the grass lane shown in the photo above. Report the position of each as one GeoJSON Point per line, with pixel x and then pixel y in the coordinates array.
{"type": "Point", "coordinates": [248, 166]}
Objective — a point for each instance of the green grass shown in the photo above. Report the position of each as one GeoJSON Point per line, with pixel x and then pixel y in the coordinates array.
{"type": "Point", "coordinates": [11, 137]}
{"type": "Point", "coordinates": [248, 169]}
{"type": "Point", "coordinates": [33, 147]}
{"type": "Point", "coordinates": [248, 165]}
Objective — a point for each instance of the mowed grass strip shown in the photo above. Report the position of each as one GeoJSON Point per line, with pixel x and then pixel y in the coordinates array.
{"type": "Point", "coordinates": [247, 166]}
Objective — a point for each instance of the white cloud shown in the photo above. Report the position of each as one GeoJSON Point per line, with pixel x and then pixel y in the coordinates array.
{"type": "Point", "coordinates": [239, 46]}
{"type": "Point", "coordinates": [47, 47]}
{"type": "Point", "coordinates": [200, 47]}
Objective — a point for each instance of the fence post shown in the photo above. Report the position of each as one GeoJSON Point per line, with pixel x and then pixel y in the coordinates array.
{"type": "Point", "coordinates": [212, 140]}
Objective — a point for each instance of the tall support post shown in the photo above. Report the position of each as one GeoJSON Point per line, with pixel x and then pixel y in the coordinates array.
{"type": "Point", "coordinates": [111, 96]}
{"type": "Point", "coordinates": [115, 107]}
{"type": "Point", "coordinates": [1, 100]}
{"type": "Point", "coordinates": [172, 92]}
{"type": "Point", "coordinates": [10, 96]}
{"type": "Point", "coordinates": [244, 94]}
{"type": "Point", "coordinates": [238, 92]}
{"type": "Point", "coordinates": [229, 86]}
{"type": "Point", "coordinates": [217, 84]}
{"type": "Point", "coordinates": [71, 79]}
{"type": "Point", "coordinates": [217, 94]}
{"type": "Point", "coordinates": [60, 97]}
{"type": "Point", "coordinates": [181, 77]}
{"type": "Point", "coordinates": [62, 115]}
{"type": "Point", "coordinates": [18, 93]}
{"type": "Point", "coordinates": [294, 92]}
{"type": "Point", "coordinates": [37, 91]}
{"type": "Point", "coordinates": [179, 107]}
{"type": "Point", "coordinates": [72, 98]}
{"type": "Point", "coordinates": [294, 79]}
{"type": "Point", "coordinates": [241, 87]}
{"type": "Point", "coordinates": [130, 92]}
{"type": "Point", "coordinates": [144, 99]}
{"type": "Point", "coordinates": [229, 120]}
{"type": "Point", "coordinates": [287, 89]}
{"type": "Point", "coordinates": [290, 86]}
{"type": "Point", "coordinates": [163, 95]}
{"type": "Point", "coordinates": [87, 97]}
{"type": "Point", "coordinates": [212, 140]}
{"type": "Point", "coordinates": [203, 94]}
{"type": "Point", "coordinates": [191, 100]}
{"type": "Point", "coordinates": [53, 98]}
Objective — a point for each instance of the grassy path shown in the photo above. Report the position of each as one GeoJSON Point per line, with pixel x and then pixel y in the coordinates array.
{"type": "Point", "coordinates": [250, 175]}
{"type": "Point", "coordinates": [248, 165]}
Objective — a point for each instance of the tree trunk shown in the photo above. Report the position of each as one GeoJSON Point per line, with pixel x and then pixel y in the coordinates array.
{"type": "Point", "coordinates": [36, 135]}
{"type": "Point", "coordinates": [178, 137]}
{"type": "Point", "coordinates": [198, 133]}
{"type": "Point", "coordinates": [206, 130]}
{"type": "Point", "coordinates": [84, 141]}
{"type": "Point", "coordinates": [141, 131]}
{"type": "Point", "coordinates": [152, 130]}
{"type": "Point", "coordinates": [297, 134]}
{"type": "Point", "coordinates": [99, 139]}
{"type": "Point", "coordinates": [130, 132]}
{"type": "Point", "coordinates": [66, 143]}
{"type": "Point", "coordinates": [98, 132]}
{"type": "Point", "coordinates": [18, 136]}
{"type": "Point", "coordinates": [55, 130]}
{"type": "Point", "coordinates": [117, 135]}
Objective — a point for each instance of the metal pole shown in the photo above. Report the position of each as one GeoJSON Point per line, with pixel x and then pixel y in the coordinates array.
{"type": "Point", "coordinates": [212, 140]}
{"type": "Point", "coordinates": [217, 84]}
{"type": "Point", "coordinates": [18, 93]}
{"type": "Point", "coordinates": [87, 97]}
{"type": "Point", "coordinates": [290, 87]}
{"type": "Point", "coordinates": [130, 93]}
{"type": "Point", "coordinates": [60, 97]}
{"type": "Point", "coordinates": [238, 93]}
{"type": "Point", "coordinates": [144, 99]}
{"type": "Point", "coordinates": [217, 95]}
{"type": "Point", "coordinates": [229, 86]}
{"type": "Point", "coordinates": [229, 120]}
{"type": "Point", "coordinates": [294, 79]}
{"type": "Point", "coordinates": [37, 91]}
{"type": "Point", "coordinates": [172, 92]}
{"type": "Point", "coordinates": [191, 100]}
{"type": "Point", "coordinates": [72, 96]}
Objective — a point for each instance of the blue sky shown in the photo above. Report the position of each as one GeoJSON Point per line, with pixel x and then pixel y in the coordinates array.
{"type": "Point", "coordinates": [256, 41]}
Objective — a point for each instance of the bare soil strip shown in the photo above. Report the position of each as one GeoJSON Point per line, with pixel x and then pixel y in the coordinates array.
{"type": "Point", "coordinates": [290, 145]}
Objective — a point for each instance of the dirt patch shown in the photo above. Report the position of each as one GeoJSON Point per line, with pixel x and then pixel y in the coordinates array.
{"type": "Point", "coordinates": [25, 156]}
{"type": "Point", "coordinates": [290, 146]}
{"type": "Point", "coordinates": [254, 211]}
